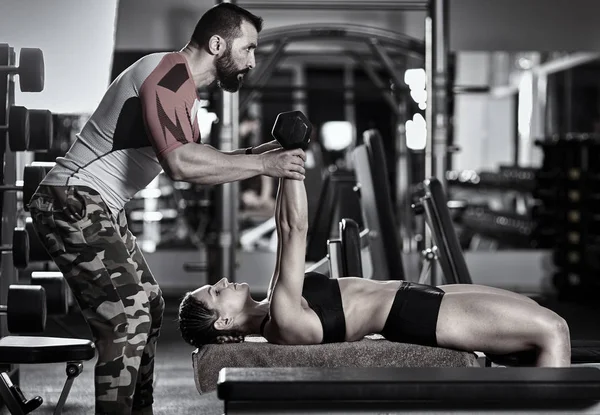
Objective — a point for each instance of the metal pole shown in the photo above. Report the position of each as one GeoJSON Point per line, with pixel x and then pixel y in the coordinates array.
{"type": "Point", "coordinates": [378, 83]}
{"type": "Point", "coordinates": [8, 201]}
{"type": "Point", "coordinates": [349, 113]}
{"type": "Point", "coordinates": [228, 197]}
{"type": "Point", "coordinates": [7, 175]}
{"type": "Point", "coordinates": [386, 60]}
{"type": "Point", "coordinates": [402, 5]}
{"type": "Point", "coordinates": [437, 87]}
{"type": "Point", "coordinates": [262, 78]}
{"type": "Point", "coordinates": [436, 63]}
{"type": "Point", "coordinates": [229, 194]}
{"type": "Point", "coordinates": [299, 94]}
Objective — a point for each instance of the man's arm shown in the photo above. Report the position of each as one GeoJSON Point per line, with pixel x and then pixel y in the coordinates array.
{"type": "Point", "coordinates": [202, 164]}
{"type": "Point", "coordinates": [167, 97]}
{"type": "Point", "coordinates": [263, 148]}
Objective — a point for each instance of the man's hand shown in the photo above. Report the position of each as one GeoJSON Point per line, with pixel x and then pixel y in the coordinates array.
{"type": "Point", "coordinates": [288, 164]}
{"type": "Point", "coordinates": [263, 148]}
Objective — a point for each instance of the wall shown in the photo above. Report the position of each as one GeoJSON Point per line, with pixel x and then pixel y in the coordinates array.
{"type": "Point", "coordinates": [484, 124]}
{"type": "Point", "coordinates": [77, 38]}
{"type": "Point", "coordinates": [157, 24]}
{"type": "Point", "coordinates": [517, 25]}
{"type": "Point", "coordinates": [474, 24]}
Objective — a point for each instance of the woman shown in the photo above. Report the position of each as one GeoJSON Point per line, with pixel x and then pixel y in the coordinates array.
{"type": "Point", "coordinates": [312, 309]}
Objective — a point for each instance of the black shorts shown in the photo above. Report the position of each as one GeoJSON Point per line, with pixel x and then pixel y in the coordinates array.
{"type": "Point", "coordinates": [414, 314]}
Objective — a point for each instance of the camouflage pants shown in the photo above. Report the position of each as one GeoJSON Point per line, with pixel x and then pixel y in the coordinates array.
{"type": "Point", "coordinates": [117, 293]}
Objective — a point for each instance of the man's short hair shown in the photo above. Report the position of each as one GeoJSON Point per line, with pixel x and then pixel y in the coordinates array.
{"type": "Point", "coordinates": [225, 20]}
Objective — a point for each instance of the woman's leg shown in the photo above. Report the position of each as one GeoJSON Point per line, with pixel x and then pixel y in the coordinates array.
{"type": "Point", "coordinates": [474, 288]}
{"type": "Point", "coordinates": [500, 324]}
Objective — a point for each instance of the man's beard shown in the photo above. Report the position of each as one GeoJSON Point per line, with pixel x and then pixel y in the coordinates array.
{"type": "Point", "coordinates": [227, 73]}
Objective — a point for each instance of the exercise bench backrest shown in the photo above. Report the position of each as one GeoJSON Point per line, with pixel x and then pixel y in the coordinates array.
{"type": "Point", "coordinates": [350, 249]}
{"type": "Point", "coordinates": [337, 200]}
{"type": "Point", "coordinates": [449, 253]}
{"type": "Point", "coordinates": [377, 209]}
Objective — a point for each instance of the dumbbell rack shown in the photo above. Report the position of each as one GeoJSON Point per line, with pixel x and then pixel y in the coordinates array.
{"type": "Point", "coordinates": [8, 200]}
{"type": "Point", "coordinates": [570, 181]}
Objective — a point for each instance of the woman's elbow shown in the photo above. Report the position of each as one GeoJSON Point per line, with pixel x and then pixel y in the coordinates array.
{"type": "Point", "coordinates": [295, 225]}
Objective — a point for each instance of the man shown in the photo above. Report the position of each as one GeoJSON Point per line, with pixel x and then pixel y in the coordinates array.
{"type": "Point", "coordinates": [145, 123]}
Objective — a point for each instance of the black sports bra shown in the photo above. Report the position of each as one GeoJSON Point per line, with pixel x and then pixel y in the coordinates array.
{"type": "Point", "coordinates": [323, 296]}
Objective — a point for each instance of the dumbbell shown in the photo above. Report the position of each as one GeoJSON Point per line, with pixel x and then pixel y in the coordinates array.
{"type": "Point", "coordinates": [37, 250]}
{"type": "Point", "coordinates": [19, 248]}
{"type": "Point", "coordinates": [25, 309]}
{"type": "Point", "coordinates": [29, 130]}
{"type": "Point", "coordinates": [30, 69]}
{"type": "Point", "coordinates": [56, 289]}
{"type": "Point", "coordinates": [33, 174]}
{"type": "Point", "coordinates": [292, 129]}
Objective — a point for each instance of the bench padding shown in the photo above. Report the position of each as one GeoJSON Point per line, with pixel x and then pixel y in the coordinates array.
{"type": "Point", "coordinates": [372, 351]}
{"type": "Point", "coordinates": [33, 350]}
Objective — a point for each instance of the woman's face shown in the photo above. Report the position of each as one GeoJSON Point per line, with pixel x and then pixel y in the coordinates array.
{"type": "Point", "coordinates": [228, 299]}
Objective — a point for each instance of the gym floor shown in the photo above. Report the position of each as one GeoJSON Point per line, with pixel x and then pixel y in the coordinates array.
{"type": "Point", "coordinates": [175, 390]}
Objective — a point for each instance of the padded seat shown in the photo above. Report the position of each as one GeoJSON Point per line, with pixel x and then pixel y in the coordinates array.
{"type": "Point", "coordinates": [372, 351]}
{"type": "Point", "coordinates": [32, 350]}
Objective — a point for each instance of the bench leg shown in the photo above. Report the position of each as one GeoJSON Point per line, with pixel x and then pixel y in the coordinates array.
{"type": "Point", "coordinates": [11, 402]}
{"type": "Point", "coordinates": [74, 369]}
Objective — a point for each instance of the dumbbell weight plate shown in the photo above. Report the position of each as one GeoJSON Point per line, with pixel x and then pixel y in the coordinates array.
{"type": "Point", "coordinates": [31, 70]}
{"type": "Point", "coordinates": [18, 128]}
{"type": "Point", "coordinates": [37, 251]}
{"type": "Point", "coordinates": [4, 50]}
{"type": "Point", "coordinates": [41, 130]}
{"type": "Point", "coordinates": [20, 248]}
{"type": "Point", "coordinates": [56, 290]}
{"type": "Point", "coordinates": [26, 307]}
{"type": "Point", "coordinates": [32, 176]}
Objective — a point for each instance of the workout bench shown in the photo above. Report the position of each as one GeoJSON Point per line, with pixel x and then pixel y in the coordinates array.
{"type": "Point", "coordinates": [415, 390]}
{"type": "Point", "coordinates": [27, 311]}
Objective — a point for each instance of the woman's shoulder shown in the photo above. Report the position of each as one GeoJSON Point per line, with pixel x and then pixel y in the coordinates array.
{"type": "Point", "coordinates": [304, 329]}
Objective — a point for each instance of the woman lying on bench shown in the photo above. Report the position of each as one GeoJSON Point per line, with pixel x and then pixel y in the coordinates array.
{"type": "Point", "coordinates": [312, 309]}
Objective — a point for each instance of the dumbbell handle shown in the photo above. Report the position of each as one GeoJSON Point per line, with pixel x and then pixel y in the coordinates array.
{"type": "Point", "coordinates": [11, 187]}
{"type": "Point", "coordinates": [9, 69]}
